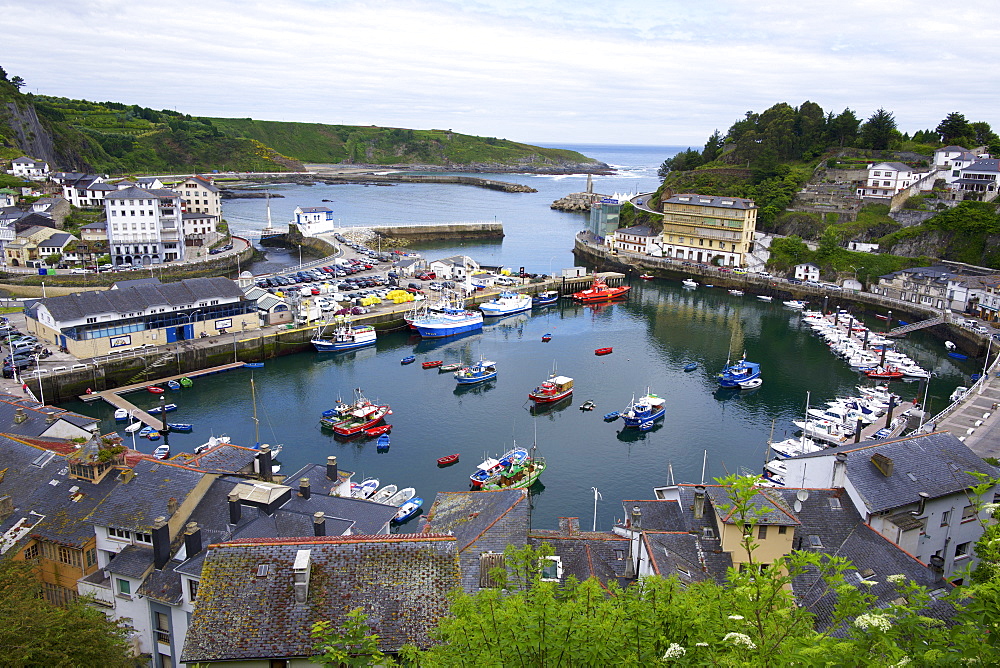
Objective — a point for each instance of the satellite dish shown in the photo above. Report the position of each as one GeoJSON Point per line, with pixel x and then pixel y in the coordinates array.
{"type": "Point", "coordinates": [797, 505]}
{"type": "Point", "coordinates": [246, 274]}
{"type": "Point", "coordinates": [802, 495]}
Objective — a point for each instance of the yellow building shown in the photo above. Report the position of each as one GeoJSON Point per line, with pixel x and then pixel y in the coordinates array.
{"type": "Point", "coordinates": [709, 229]}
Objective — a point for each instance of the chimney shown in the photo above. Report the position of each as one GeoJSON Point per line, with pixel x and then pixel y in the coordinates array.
{"type": "Point", "coordinates": [573, 524]}
{"type": "Point", "coordinates": [300, 576]}
{"type": "Point", "coordinates": [50, 418]}
{"type": "Point", "coordinates": [171, 506]}
{"type": "Point", "coordinates": [319, 524]}
{"type": "Point", "coordinates": [922, 504]}
{"type": "Point", "coordinates": [161, 542]}
{"type": "Point", "coordinates": [234, 508]}
{"type": "Point", "coordinates": [937, 565]}
{"type": "Point", "coordinates": [6, 507]}
{"type": "Point", "coordinates": [331, 468]}
{"type": "Point", "coordinates": [20, 416]}
{"type": "Point", "coordinates": [699, 502]}
{"type": "Point", "coordinates": [304, 490]}
{"type": "Point", "coordinates": [192, 539]}
{"type": "Point", "coordinates": [839, 470]}
{"type": "Point", "coordinates": [636, 524]}
{"type": "Point", "coordinates": [264, 462]}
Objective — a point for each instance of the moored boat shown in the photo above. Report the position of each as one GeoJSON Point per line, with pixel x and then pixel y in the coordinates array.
{"type": "Point", "coordinates": [506, 303]}
{"type": "Point", "coordinates": [162, 451]}
{"type": "Point", "coordinates": [345, 337]}
{"type": "Point", "coordinates": [364, 489]}
{"type": "Point", "coordinates": [646, 277]}
{"type": "Point", "coordinates": [379, 430]}
{"type": "Point", "coordinates": [182, 427]}
{"type": "Point", "coordinates": [121, 414]}
{"type": "Point", "coordinates": [479, 372]}
{"type": "Point", "coordinates": [588, 405]}
{"type": "Point", "coordinates": [246, 365]}
{"type": "Point", "coordinates": [491, 468]}
{"type": "Point", "coordinates": [187, 382]}
{"type": "Point", "coordinates": [384, 494]}
{"type": "Point", "coordinates": [612, 416]}
{"type": "Point", "coordinates": [884, 373]}
{"type": "Point", "coordinates": [796, 304]}
{"type": "Point", "coordinates": [447, 321]}
{"type": "Point", "coordinates": [408, 510]}
{"type": "Point", "coordinates": [383, 442]}
{"type": "Point", "coordinates": [546, 337]}
{"type": "Point", "coordinates": [145, 431]}
{"type": "Point", "coordinates": [153, 389]}
{"type": "Point", "coordinates": [433, 364]}
{"type": "Point", "coordinates": [765, 298]}
{"type": "Point", "coordinates": [551, 390]}
{"type": "Point", "coordinates": [599, 291]}
{"type": "Point", "coordinates": [173, 385]}
{"type": "Point", "coordinates": [604, 351]}
{"type": "Point", "coordinates": [545, 298]}
{"type": "Point", "coordinates": [401, 497]}
{"type": "Point", "coordinates": [153, 436]}
{"type": "Point", "coordinates": [518, 476]}
{"type": "Point", "coordinates": [751, 384]}
{"type": "Point", "coordinates": [690, 366]}
{"type": "Point", "coordinates": [736, 293]}
{"type": "Point", "coordinates": [646, 409]}
{"type": "Point", "coordinates": [742, 371]}
{"type": "Point", "coordinates": [166, 408]}
{"type": "Point", "coordinates": [445, 368]}
{"type": "Point", "coordinates": [447, 460]}
{"type": "Point", "coordinates": [409, 359]}
{"type": "Point", "coordinates": [689, 283]}
{"type": "Point", "coordinates": [134, 427]}
{"type": "Point", "coordinates": [363, 414]}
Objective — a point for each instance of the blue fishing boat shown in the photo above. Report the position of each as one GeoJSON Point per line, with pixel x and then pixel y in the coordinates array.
{"type": "Point", "coordinates": [383, 443]}
{"type": "Point", "coordinates": [253, 365]}
{"type": "Point", "coordinates": [166, 409]}
{"type": "Point", "coordinates": [409, 359]}
{"type": "Point", "coordinates": [182, 427]}
{"type": "Point", "coordinates": [646, 409]}
{"type": "Point", "coordinates": [173, 385]}
{"type": "Point", "coordinates": [408, 510]}
{"type": "Point", "coordinates": [145, 431]}
{"type": "Point", "coordinates": [479, 372]}
{"type": "Point", "coordinates": [958, 356]}
{"type": "Point", "coordinates": [691, 366]}
{"type": "Point", "coordinates": [447, 321]}
{"type": "Point", "coordinates": [612, 416]}
{"type": "Point", "coordinates": [742, 371]}
{"type": "Point", "coordinates": [545, 298]}
{"type": "Point", "coordinates": [345, 337]}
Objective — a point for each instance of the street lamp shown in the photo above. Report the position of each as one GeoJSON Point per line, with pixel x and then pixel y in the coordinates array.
{"type": "Point", "coordinates": [41, 390]}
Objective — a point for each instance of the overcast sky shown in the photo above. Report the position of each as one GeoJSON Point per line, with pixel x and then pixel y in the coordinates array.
{"type": "Point", "coordinates": [659, 72]}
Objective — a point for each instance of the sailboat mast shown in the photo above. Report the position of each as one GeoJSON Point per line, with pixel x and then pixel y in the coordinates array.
{"type": "Point", "coordinates": [256, 422]}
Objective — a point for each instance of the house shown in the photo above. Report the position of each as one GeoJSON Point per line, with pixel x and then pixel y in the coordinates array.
{"type": "Point", "coordinates": [861, 247]}
{"type": "Point", "coordinates": [582, 554]}
{"type": "Point", "coordinates": [692, 532]}
{"type": "Point", "coordinates": [409, 266]}
{"type": "Point", "coordinates": [56, 245]}
{"type": "Point", "coordinates": [200, 231]}
{"type": "Point", "coordinates": [94, 231]}
{"type": "Point", "coordinates": [144, 226]}
{"type": "Point", "coordinates": [709, 229]}
{"type": "Point", "coordinates": [85, 191]}
{"type": "Point", "coordinates": [24, 250]}
{"type": "Point", "coordinates": [454, 268]}
{"type": "Point", "coordinates": [981, 296]}
{"type": "Point", "coordinates": [913, 491]}
{"type": "Point", "coordinates": [483, 524]}
{"type": "Point", "coordinates": [313, 220]}
{"type": "Point", "coordinates": [920, 285]}
{"type": "Point", "coordinates": [317, 579]}
{"type": "Point", "coordinates": [979, 180]}
{"type": "Point", "coordinates": [806, 272]}
{"type": "Point", "coordinates": [22, 417]}
{"type": "Point", "coordinates": [200, 195]}
{"type": "Point", "coordinates": [885, 179]}
{"type": "Point", "coordinates": [636, 239]}
{"type": "Point", "coordinates": [951, 160]}
{"type": "Point", "coordinates": [55, 208]}
{"type": "Point", "coordinates": [7, 197]}
{"type": "Point", "coordinates": [133, 314]}
{"type": "Point", "coordinates": [273, 310]}
{"type": "Point", "coordinates": [29, 168]}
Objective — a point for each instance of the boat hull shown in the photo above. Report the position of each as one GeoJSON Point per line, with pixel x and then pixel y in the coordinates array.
{"type": "Point", "coordinates": [439, 331]}
{"type": "Point", "coordinates": [472, 380]}
{"type": "Point", "coordinates": [549, 398]}
{"type": "Point", "coordinates": [638, 421]}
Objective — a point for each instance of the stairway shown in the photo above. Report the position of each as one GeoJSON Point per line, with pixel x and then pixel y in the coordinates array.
{"type": "Point", "coordinates": [913, 326]}
{"type": "Point", "coordinates": [158, 362]}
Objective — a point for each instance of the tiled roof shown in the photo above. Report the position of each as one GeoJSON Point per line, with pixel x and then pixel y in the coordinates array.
{"type": "Point", "coordinates": [132, 562]}
{"type": "Point", "coordinates": [935, 463]}
{"type": "Point", "coordinates": [163, 585]}
{"type": "Point", "coordinates": [247, 607]}
{"type": "Point", "coordinates": [983, 165]}
{"type": "Point", "coordinates": [135, 504]}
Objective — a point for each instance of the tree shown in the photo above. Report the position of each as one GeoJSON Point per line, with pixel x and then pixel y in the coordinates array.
{"type": "Point", "coordinates": [53, 259]}
{"type": "Point", "coordinates": [683, 161]}
{"type": "Point", "coordinates": [34, 632]}
{"type": "Point", "coordinates": [983, 134]}
{"type": "Point", "coordinates": [844, 128]}
{"type": "Point", "coordinates": [879, 130]}
{"type": "Point", "coordinates": [17, 82]}
{"type": "Point", "coordinates": [954, 129]}
{"type": "Point", "coordinates": [712, 147]}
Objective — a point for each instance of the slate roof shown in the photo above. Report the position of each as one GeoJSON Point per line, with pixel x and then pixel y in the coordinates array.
{"type": "Point", "coordinates": [134, 283]}
{"type": "Point", "coordinates": [314, 209]}
{"type": "Point", "coordinates": [687, 556]}
{"type": "Point", "coordinates": [224, 458]}
{"type": "Point", "coordinates": [135, 504]}
{"type": "Point", "coordinates": [712, 200]}
{"type": "Point", "coordinates": [163, 585]}
{"type": "Point", "coordinates": [317, 477]}
{"type": "Point", "coordinates": [656, 515]}
{"type": "Point", "coordinates": [133, 561]}
{"type": "Point", "coordinates": [58, 240]}
{"type": "Point", "coordinates": [480, 522]}
{"type": "Point", "coordinates": [36, 219]}
{"type": "Point", "coordinates": [241, 615]}
{"type": "Point", "coordinates": [586, 554]}
{"type": "Point", "coordinates": [938, 273]}
{"type": "Point", "coordinates": [934, 463]}
{"type": "Point", "coordinates": [205, 183]}
{"type": "Point", "coordinates": [637, 231]}
{"type": "Point", "coordinates": [99, 225]}
{"type": "Point", "coordinates": [37, 414]}
{"type": "Point", "coordinates": [186, 293]}
{"type": "Point", "coordinates": [983, 165]}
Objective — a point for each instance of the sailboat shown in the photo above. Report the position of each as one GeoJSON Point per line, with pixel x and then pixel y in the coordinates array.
{"type": "Point", "coordinates": [275, 449]}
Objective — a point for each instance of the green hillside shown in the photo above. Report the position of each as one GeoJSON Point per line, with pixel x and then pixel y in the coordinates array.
{"type": "Point", "coordinates": [317, 142]}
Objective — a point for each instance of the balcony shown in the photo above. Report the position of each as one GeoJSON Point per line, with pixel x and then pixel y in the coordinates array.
{"type": "Point", "coordinates": [98, 585]}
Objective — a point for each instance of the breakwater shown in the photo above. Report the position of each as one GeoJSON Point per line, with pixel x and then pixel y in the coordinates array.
{"type": "Point", "coordinates": [388, 179]}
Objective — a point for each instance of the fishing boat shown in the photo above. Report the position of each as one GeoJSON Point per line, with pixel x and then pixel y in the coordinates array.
{"type": "Point", "coordinates": [446, 368]}
{"type": "Point", "coordinates": [246, 365]}
{"type": "Point", "coordinates": [604, 351]}
{"type": "Point", "coordinates": [145, 431]}
{"type": "Point", "coordinates": [211, 443]}
{"type": "Point", "coordinates": [363, 414]}
{"type": "Point", "coordinates": [751, 384]}
{"type": "Point", "coordinates": [447, 460]}
{"type": "Point", "coordinates": [379, 430]}
{"type": "Point", "coordinates": [612, 416]}
{"type": "Point", "coordinates": [187, 382]}
{"type": "Point", "coordinates": [646, 277]}
{"type": "Point", "coordinates": [446, 321]}
{"type": "Point", "coordinates": [364, 489]}
{"type": "Point", "coordinates": [690, 366]}
{"type": "Point", "coordinates": [182, 427]}
{"type": "Point", "coordinates": [765, 298]}
{"type": "Point", "coordinates": [345, 337]}
{"type": "Point", "coordinates": [599, 291]}
{"type": "Point", "coordinates": [689, 283]}
{"type": "Point", "coordinates": [384, 494]}
{"type": "Point", "coordinates": [162, 451]}
{"type": "Point", "coordinates": [121, 414]}
{"type": "Point", "coordinates": [734, 374]}
{"type": "Point", "coordinates": [588, 405]}
{"type": "Point", "coordinates": [506, 303]}
{"type": "Point", "coordinates": [518, 476]}
{"type": "Point", "coordinates": [409, 359]}
{"type": "Point", "coordinates": [153, 389]}
{"type": "Point", "coordinates": [884, 373]}
{"type": "Point", "coordinates": [134, 427]}
{"type": "Point", "coordinates": [551, 390]}
{"type": "Point", "coordinates": [432, 364]}
{"type": "Point", "coordinates": [408, 510]}
{"type": "Point", "coordinates": [647, 408]}
{"type": "Point", "coordinates": [401, 497]}
{"type": "Point", "coordinates": [173, 385]}
{"type": "Point", "coordinates": [545, 298]}
{"type": "Point", "coordinates": [546, 337]}
{"type": "Point", "coordinates": [479, 372]}
{"type": "Point", "coordinates": [383, 442]}
{"type": "Point", "coordinates": [491, 468]}
{"type": "Point", "coordinates": [166, 408]}
{"type": "Point", "coordinates": [736, 293]}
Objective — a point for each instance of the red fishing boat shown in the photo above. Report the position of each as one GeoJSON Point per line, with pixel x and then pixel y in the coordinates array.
{"type": "Point", "coordinates": [604, 351]}
{"type": "Point", "coordinates": [599, 291]}
{"type": "Point", "coordinates": [546, 337]}
{"type": "Point", "coordinates": [888, 373]}
{"type": "Point", "coordinates": [646, 277]}
{"type": "Point", "coordinates": [432, 365]}
{"type": "Point", "coordinates": [448, 460]}
{"type": "Point", "coordinates": [552, 390]}
{"type": "Point", "coordinates": [153, 389]}
{"type": "Point", "coordinates": [379, 430]}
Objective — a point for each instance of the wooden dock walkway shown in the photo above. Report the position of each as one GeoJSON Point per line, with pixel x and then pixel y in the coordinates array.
{"type": "Point", "coordinates": [896, 426]}
{"type": "Point", "coordinates": [113, 396]}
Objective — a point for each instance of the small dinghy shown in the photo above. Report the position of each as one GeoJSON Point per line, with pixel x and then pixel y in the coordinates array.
{"type": "Point", "coordinates": [604, 351]}
{"type": "Point", "coordinates": [691, 366]}
{"type": "Point", "coordinates": [612, 416]}
{"type": "Point", "coordinates": [409, 359]}
{"type": "Point", "coordinates": [379, 430]}
{"type": "Point", "coordinates": [162, 451]}
{"type": "Point", "coordinates": [121, 415]}
{"type": "Point", "coordinates": [433, 364]}
{"type": "Point", "coordinates": [173, 385]}
{"type": "Point", "coordinates": [383, 443]}
{"type": "Point", "coordinates": [153, 389]}
{"type": "Point", "coordinates": [134, 427]}
{"type": "Point", "coordinates": [408, 510]}
{"type": "Point", "coordinates": [751, 384]}
{"type": "Point", "coordinates": [587, 405]}
{"type": "Point", "coordinates": [447, 460]}
{"type": "Point", "coordinates": [546, 337]}
{"type": "Point", "coordinates": [182, 427]}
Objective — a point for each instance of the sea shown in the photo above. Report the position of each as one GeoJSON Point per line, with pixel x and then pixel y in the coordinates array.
{"type": "Point", "coordinates": [707, 432]}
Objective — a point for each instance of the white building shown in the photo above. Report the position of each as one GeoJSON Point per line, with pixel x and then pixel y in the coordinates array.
{"type": "Point", "coordinates": [313, 220]}
{"type": "Point", "coordinates": [144, 226]}
{"type": "Point", "coordinates": [86, 191]}
{"type": "Point", "coordinates": [980, 177]}
{"type": "Point", "coordinates": [807, 272]}
{"type": "Point", "coordinates": [30, 169]}
{"type": "Point", "coordinates": [637, 239]}
{"type": "Point", "coordinates": [454, 268]}
{"type": "Point", "coordinates": [201, 196]}
{"type": "Point", "coordinates": [885, 179]}
{"type": "Point", "coordinates": [913, 491]}
{"type": "Point", "coordinates": [7, 197]}
{"type": "Point", "coordinates": [951, 160]}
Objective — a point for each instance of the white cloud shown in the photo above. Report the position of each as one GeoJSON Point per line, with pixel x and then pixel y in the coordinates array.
{"type": "Point", "coordinates": [530, 70]}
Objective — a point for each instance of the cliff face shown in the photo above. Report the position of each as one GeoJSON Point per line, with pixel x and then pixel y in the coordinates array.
{"type": "Point", "coordinates": [28, 133]}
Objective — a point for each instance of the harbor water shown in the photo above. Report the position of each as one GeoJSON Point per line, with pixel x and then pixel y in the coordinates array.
{"type": "Point", "coordinates": [655, 334]}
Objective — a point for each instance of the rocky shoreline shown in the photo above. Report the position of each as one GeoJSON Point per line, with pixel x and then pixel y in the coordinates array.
{"type": "Point", "coordinates": [576, 202]}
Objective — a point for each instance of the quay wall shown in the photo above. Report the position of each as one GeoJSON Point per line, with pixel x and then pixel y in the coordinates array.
{"type": "Point", "coordinates": [449, 231]}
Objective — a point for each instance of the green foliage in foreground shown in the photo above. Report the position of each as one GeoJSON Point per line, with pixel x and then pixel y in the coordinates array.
{"type": "Point", "coordinates": [35, 633]}
{"type": "Point", "coordinates": [752, 620]}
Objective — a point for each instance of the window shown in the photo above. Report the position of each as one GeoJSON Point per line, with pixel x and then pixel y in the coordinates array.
{"type": "Point", "coordinates": [814, 541]}
{"type": "Point", "coordinates": [90, 556]}
{"type": "Point", "coordinates": [762, 531]}
{"type": "Point", "coordinates": [124, 587]}
{"type": "Point", "coordinates": [193, 590]}
{"type": "Point", "coordinates": [120, 534]}
{"type": "Point", "coordinates": [551, 569]}
{"type": "Point", "coordinates": [489, 561]}
{"type": "Point", "coordinates": [162, 628]}
{"type": "Point", "coordinates": [144, 538]}
{"type": "Point", "coordinates": [782, 530]}
{"type": "Point", "coordinates": [962, 550]}
{"type": "Point", "coordinates": [945, 518]}
{"type": "Point", "coordinates": [968, 513]}
{"type": "Point", "coordinates": [31, 552]}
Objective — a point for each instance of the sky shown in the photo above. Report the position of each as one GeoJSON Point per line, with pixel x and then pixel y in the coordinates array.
{"type": "Point", "coordinates": [549, 72]}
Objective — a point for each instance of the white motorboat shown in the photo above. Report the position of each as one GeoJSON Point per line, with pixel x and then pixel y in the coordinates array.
{"type": "Point", "coordinates": [401, 497]}
{"type": "Point", "coordinates": [364, 489]}
{"type": "Point", "coordinates": [823, 430]}
{"type": "Point", "coordinates": [736, 293]}
{"type": "Point", "coordinates": [775, 471]}
{"type": "Point", "coordinates": [689, 283]}
{"type": "Point", "coordinates": [384, 494]}
{"type": "Point", "coordinates": [751, 384]}
{"type": "Point", "coordinates": [792, 447]}
{"type": "Point", "coordinates": [162, 451]}
{"type": "Point", "coordinates": [765, 298]}
{"type": "Point", "coordinates": [211, 443]}
{"type": "Point", "coordinates": [796, 304]}
{"type": "Point", "coordinates": [958, 393]}
{"type": "Point", "coordinates": [121, 414]}
{"type": "Point", "coordinates": [134, 427]}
